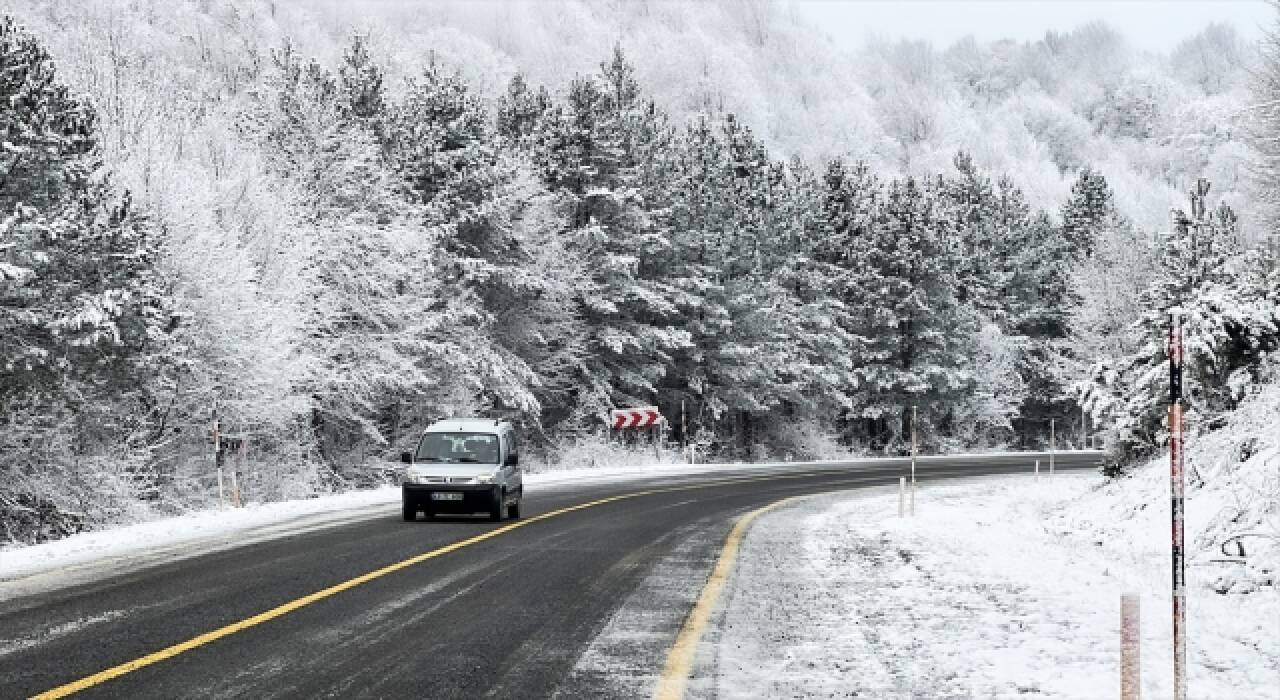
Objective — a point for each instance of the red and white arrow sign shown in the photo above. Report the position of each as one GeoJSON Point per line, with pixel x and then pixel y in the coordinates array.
{"type": "Point", "coordinates": [642, 417]}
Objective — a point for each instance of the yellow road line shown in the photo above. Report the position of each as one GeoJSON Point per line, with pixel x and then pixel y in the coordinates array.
{"type": "Point", "coordinates": [680, 659]}
{"type": "Point", "coordinates": [201, 640]}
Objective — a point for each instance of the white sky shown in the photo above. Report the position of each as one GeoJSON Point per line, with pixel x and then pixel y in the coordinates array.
{"type": "Point", "coordinates": [1149, 24]}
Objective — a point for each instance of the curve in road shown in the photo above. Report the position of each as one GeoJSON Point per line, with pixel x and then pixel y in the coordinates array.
{"type": "Point", "coordinates": [384, 608]}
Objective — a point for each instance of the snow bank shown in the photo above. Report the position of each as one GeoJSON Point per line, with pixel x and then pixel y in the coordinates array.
{"type": "Point", "coordinates": [1000, 587]}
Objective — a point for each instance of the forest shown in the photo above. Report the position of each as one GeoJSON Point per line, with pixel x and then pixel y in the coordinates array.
{"type": "Point", "coordinates": [324, 229]}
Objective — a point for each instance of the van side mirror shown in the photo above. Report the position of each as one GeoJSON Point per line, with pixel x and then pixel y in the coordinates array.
{"type": "Point", "coordinates": [513, 460]}
{"type": "Point", "coordinates": [406, 457]}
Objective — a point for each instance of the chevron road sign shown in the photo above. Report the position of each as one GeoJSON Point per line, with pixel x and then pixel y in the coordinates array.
{"type": "Point", "coordinates": [642, 417]}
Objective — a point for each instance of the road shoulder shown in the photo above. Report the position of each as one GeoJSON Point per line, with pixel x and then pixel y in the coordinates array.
{"type": "Point", "coordinates": [987, 592]}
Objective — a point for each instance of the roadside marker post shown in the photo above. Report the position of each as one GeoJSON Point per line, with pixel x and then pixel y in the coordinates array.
{"type": "Point", "coordinates": [1084, 429]}
{"type": "Point", "coordinates": [1051, 448]}
{"type": "Point", "coordinates": [1130, 647]}
{"type": "Point", "coordinates": [1176, 485]}
{"type": "Point", "coordinates": [684, 435]}
{"type": "Point", "coordinates": [914, 448]}
{"type": "Point", "coordinates": [216, 429]}
{"type": "Point", "coordinates": [1037, 471]}
{"type": "Point", "coordinates": [902, 496]}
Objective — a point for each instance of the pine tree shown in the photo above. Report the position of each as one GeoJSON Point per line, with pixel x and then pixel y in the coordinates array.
{"type": "Point", "coordinates": [1088, 214]}
{"type": "Point", "coordinates": [521, 111]}
{"type": "Point", "coordinates": [600, 154]}
{"type": "Point", "coordinates": [361, 93]}
{"type": "Point", "coordinates": [1231, 323]}
{"type": "Point", "coordinates": [84, 319]}
{"type": "Point", "coordinates": [841, 242]}
{"type": "Point", "coordinates": [910, 319]}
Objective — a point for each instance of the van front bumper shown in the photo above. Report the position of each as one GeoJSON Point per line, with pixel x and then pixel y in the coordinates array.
{"type": "Point", "coordinates": [473, 498]}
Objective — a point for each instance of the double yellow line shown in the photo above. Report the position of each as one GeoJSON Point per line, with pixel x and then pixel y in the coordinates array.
{"type": "Point", "coordinates": [286, 608]}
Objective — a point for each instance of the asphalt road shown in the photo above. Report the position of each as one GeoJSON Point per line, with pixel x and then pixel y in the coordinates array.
{"type": "Point", "coordinates": [506, 616]}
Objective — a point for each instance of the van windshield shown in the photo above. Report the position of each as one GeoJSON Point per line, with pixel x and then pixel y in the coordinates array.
{"type": "Point", "coordinates": [480, 448]}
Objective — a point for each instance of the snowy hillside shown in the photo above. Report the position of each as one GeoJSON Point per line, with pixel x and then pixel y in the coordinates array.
{"type": "Point", "coordinates": [1233, 490]}
{"type": "Point", "coordinates": [1037, 111]}
{"type": "Point", "coordinates": [312, 228]}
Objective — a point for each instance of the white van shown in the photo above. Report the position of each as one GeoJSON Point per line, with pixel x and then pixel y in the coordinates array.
{"type": "Point", "coordinates": [464, 466]}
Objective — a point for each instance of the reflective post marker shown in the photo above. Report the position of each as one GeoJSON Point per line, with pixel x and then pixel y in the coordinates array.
{"type": "Point", "coordinates": [1051, 436]}
{"type": "Point", "coordinates": [1084, 429]}
{"type": "Point", "coordinates": [1130, 647]}
{"type": "Point", "coordinates": [914, 443]}
{"type": "Point", "coordinates": [684, 435]}
{"type": "Point", "coordinates": [217, 454]}
{"type": "Point", "coordinates": [1176, 486]}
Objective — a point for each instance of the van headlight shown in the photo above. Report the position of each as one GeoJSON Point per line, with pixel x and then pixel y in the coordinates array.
{"type": "Point", "coordinates": [487, 478]}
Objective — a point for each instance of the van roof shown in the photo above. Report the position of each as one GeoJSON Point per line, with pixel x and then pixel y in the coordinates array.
{"type": "Point", "coordinates": [468, 425]}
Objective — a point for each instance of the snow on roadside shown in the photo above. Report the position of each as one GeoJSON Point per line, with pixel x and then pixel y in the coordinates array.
{"type": "Point", "coordinates": [999, 587]}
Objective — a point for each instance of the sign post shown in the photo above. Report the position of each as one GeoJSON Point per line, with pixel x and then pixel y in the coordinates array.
{"type": "Point", "coordinates": [1176, 486]}
{"type": "Point", "coordinates": [643, 417]}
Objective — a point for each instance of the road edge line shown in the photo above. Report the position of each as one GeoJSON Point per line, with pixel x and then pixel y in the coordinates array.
{"type": "Point", "coordinates": [675, 673]}
{"type": "Point", "coordinates": [154, 657]}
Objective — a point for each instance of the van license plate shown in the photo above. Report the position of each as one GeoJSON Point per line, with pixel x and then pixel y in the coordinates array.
{"type": "Point", "coordinates": [447, 496]}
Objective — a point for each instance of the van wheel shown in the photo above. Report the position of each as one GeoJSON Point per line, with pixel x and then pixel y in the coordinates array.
{"type": "Point", "coordinates": [410, 511]}
{"type": "Point", "coordinates": [513, 511]}
{"type": "Point", "coordinates": [495, 508]}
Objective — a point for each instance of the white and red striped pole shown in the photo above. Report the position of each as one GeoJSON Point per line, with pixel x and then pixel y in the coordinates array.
{"type": "Point", "coordinates": [1176, 486]}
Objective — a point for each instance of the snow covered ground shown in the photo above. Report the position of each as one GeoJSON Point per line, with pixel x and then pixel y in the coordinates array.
{"type": "Point", "coordinates": [999, 587]}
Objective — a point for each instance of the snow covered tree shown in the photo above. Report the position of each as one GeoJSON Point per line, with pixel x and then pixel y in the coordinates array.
{"type": "Point", "coordinates": [598, 154]}
{"type": "Point", "coordinates": [83, 315]}
{"type": "Point", "coordinates": [1231, 323]}
{"type": "Point", "coordinates": [1088, 214]}
{"type": "Point", "coordinates": [910, 319]}
{"type": "Point", "coordinates": [1012, 272]}
{"type": "Point", "coordinates": [521, 110]}
{"type": "Point", "coordinates": [841, 243]}
{"type": "Point", "coordinates": [361, 92]}
{"type": "Point", "coordinates": [1264, 131]}
{"type": "Point", "coordinates": [1110, 285]}
{"type": "Point", "coordinates": [496, 220]}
